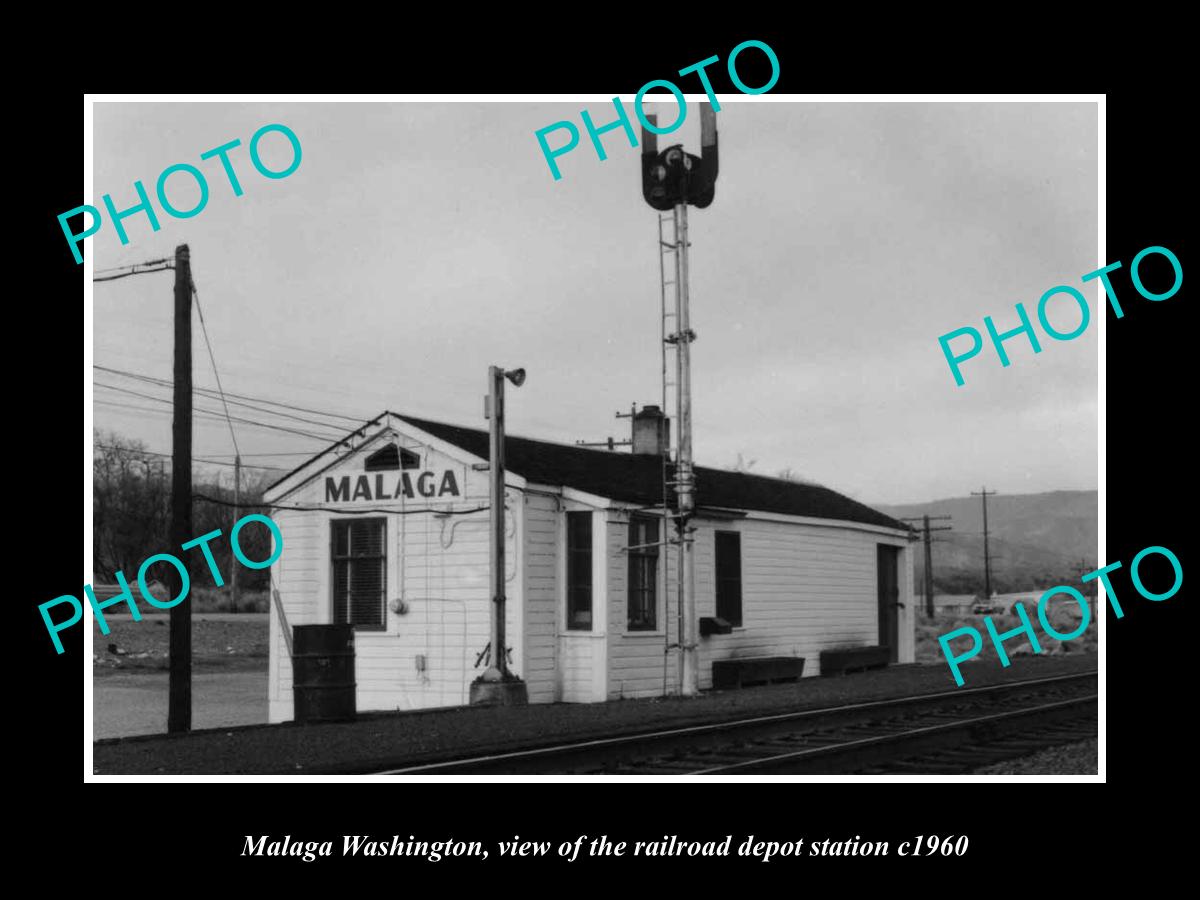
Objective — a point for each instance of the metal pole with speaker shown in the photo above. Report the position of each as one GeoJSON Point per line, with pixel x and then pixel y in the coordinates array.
{"type": "Point", "coordinates": [497, 686]}
{"type": "Point", "coordinates": [673, 180]}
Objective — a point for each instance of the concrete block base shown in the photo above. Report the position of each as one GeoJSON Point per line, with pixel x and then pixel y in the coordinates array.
{"type": "Point", "coordinates": [499, 693]}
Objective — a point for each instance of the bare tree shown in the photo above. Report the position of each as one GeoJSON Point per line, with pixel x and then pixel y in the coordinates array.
{"type": "Point", "coordinates": [130, 505]}
{"type": "Point", "coordinates": [743, 464]}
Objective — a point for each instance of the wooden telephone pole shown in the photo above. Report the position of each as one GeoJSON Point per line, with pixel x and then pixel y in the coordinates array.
{"type": "Point", "coordinates": [928, 541]}
{"type": "Point", "coordinates": [987, 559]}
{"type": "Point", "coordinates": [179, 702]}
{"type": "Point", "coordinates": [237, 512]}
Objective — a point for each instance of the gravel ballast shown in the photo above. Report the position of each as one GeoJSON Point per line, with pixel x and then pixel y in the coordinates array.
{"type": "Point", "coordinates": [381, 740]}
{"type": "Point", "coordinates": [1080, 758]}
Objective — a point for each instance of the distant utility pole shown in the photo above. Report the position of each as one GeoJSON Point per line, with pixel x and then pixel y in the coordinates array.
{"type": "Point", "coordinates": [1089, 588]}
{"type": "Point", "coordinates": [237, 503]}
{"type": "Point", "coordinates": [987, 562]}
{"type": "Point", "coordinates": [179, 701]}
{"type": "Point", "coordinates": [928, 540]}
{"type": "Point", "coordinates": [612, 443]}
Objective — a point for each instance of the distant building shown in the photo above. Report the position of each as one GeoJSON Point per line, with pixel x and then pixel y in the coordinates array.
{"type": "Point", "coordinates": [953, 603]}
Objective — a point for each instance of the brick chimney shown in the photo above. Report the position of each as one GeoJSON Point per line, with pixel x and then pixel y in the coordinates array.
{"type": "Point", "coordinates": [651, 431]}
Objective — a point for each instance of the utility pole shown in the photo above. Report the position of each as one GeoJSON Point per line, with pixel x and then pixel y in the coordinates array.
{"type": "Point", "coordinates": [928, 540]}
{"type": "Point", "coordinates": [179, 701]}
{"type": "Point", "coordinates": [1089, 588]}
{"type": "Point", "coordinates": [987, 563]}
{"type": "Point", "coordinates": [498, 686]}
{"type": "Point", "coordinates": [612, 443]}
{"type": "Point", "coordinates": [237, 503]}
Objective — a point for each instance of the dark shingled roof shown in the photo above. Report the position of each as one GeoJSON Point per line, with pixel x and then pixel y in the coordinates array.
{"type": "Point", "coordinates": [638, 479]}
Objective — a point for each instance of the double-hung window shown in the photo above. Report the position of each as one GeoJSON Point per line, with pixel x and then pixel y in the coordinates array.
{"type": "Point", "coordinates": [643, 573]}
{"type": "Point", "coordinates": [360, 573]}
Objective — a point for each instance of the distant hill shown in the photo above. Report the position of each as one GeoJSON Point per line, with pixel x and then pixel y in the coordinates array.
{"type": "Point", "coordinates": [1036, 540]}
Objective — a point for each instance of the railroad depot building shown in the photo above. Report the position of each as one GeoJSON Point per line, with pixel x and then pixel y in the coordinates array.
{"type": "Point", "coordinates": [388, 531]}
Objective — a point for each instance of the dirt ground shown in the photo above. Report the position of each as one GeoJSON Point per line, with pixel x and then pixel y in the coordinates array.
{"type": "Point", "coordinates": [221, 641]}
{"type": "Point", "coordinates": [131, 703]}
{"type": "Point", "coordinates": [380, 740]}
{"type": "Point", "coordinates": [129, 673]}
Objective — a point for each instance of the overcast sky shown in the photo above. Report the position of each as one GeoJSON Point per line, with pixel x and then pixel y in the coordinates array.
{"type": "Point", "coordinates": [418, 243]}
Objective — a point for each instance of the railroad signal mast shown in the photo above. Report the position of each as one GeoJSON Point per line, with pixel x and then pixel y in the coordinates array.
{"type": "Point", "coordinates": [672, 180]}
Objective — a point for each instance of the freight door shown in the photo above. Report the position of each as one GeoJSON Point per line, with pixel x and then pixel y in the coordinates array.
{"type": "Point", "coordinates": [888, 564]}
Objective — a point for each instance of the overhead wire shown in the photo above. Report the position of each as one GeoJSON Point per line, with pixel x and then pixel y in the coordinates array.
{"type": "Point", "coordinates": [992, 537]}
{"type": "Point", "coordinates": [374, 511]}
{"type": "Point", "coordinates": [168, 383]}
{"type": "Point", "coordinates": [200, 411]}
{"type": "Point", "coordinates": [216, 462]}
{"type": "Point", "coordinates": [211, 394]}
{"type": "Point", "coordinates": [213, 359]}
{"type": "Point", "coordinates": [149, 262]}
{"type": "Point", "coordinates": [142, 268]}
{"type": "Point", "coordinates": [122, 390]}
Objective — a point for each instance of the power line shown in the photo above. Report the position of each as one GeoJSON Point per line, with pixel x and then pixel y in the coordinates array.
{"type": "Point", "coordinates": [403, 511]}
{"type": "Point", "coordinates": [218, 413]}
{"type": "Point", "coordinates": [161, 265]}
{"type": "Point", "coordinates": [1011, 543]}
{"type": "Point", "coordinates": [207, 394]}
{"type": "Point", "coordinates": [213, 359]}
{"type": "Point", "coordinates": [281, 453]}
{"type": "Point", "coordinates": [316, 437]}
{"type": "Point", "coordinates": [214, 462]}
{"type": "Point", "coordinates": [149, 262]}
{"type": "Point", "coordinates": [167, 383]}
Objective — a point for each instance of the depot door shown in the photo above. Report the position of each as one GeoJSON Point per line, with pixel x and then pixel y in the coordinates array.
{"type": "Point", "coordinates": [888, 566]}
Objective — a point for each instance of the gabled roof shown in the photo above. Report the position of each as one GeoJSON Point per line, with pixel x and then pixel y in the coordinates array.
{"type": "Point", "coordinates": [639, 479]}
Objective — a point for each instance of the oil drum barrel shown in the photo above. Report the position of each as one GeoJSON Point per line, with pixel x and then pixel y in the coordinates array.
{"type": "Point", "coordinates": [323, 673]}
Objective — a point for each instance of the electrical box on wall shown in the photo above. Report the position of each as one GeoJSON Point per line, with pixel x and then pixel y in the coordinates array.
{"type": "Point", "coordinates": [420, 662]}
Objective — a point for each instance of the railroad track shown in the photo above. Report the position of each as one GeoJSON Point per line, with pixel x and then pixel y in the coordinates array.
{"type": "Point", "coordinates": [948, 732]}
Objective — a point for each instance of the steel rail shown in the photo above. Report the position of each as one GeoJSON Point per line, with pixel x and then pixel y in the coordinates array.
{"type": "Point", "coordinates": [896, 705]}
{"type": "Point", "coordinates": [830, 751]}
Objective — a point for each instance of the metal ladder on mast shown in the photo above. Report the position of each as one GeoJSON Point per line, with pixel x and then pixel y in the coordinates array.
{"type": "Point", "coordinates": [668, 270]}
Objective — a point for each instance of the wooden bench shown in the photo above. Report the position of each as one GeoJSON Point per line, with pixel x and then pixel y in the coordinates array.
{"type": "Point", "coordinates": [751, 670]}
{"type": "Point", "coordinates": [853, 659]}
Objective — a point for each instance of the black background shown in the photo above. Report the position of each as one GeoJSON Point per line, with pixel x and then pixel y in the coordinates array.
{"type": "Point", "coordinates": [1013, 826]}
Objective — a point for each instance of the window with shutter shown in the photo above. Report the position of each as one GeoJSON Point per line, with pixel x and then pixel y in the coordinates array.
{"type": "Point", "coordinates": [360, 573]}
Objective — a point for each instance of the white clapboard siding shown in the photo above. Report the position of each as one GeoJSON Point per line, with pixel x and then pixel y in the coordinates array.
{"type": "Point", "coordinates": [541, 596]}
{"type": "Point", "coordinates": [636, 658]}
{"type": "Point", "coordinates": [439, 566]}
{"type": "Point", "coordinates": [805, 588]}
{"type": "Point", "coordinates": [581, 667]}
{"type": "Point", "coordinates": [582, 655]}
{"type": "Point", "coordinates": [297, 577]}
